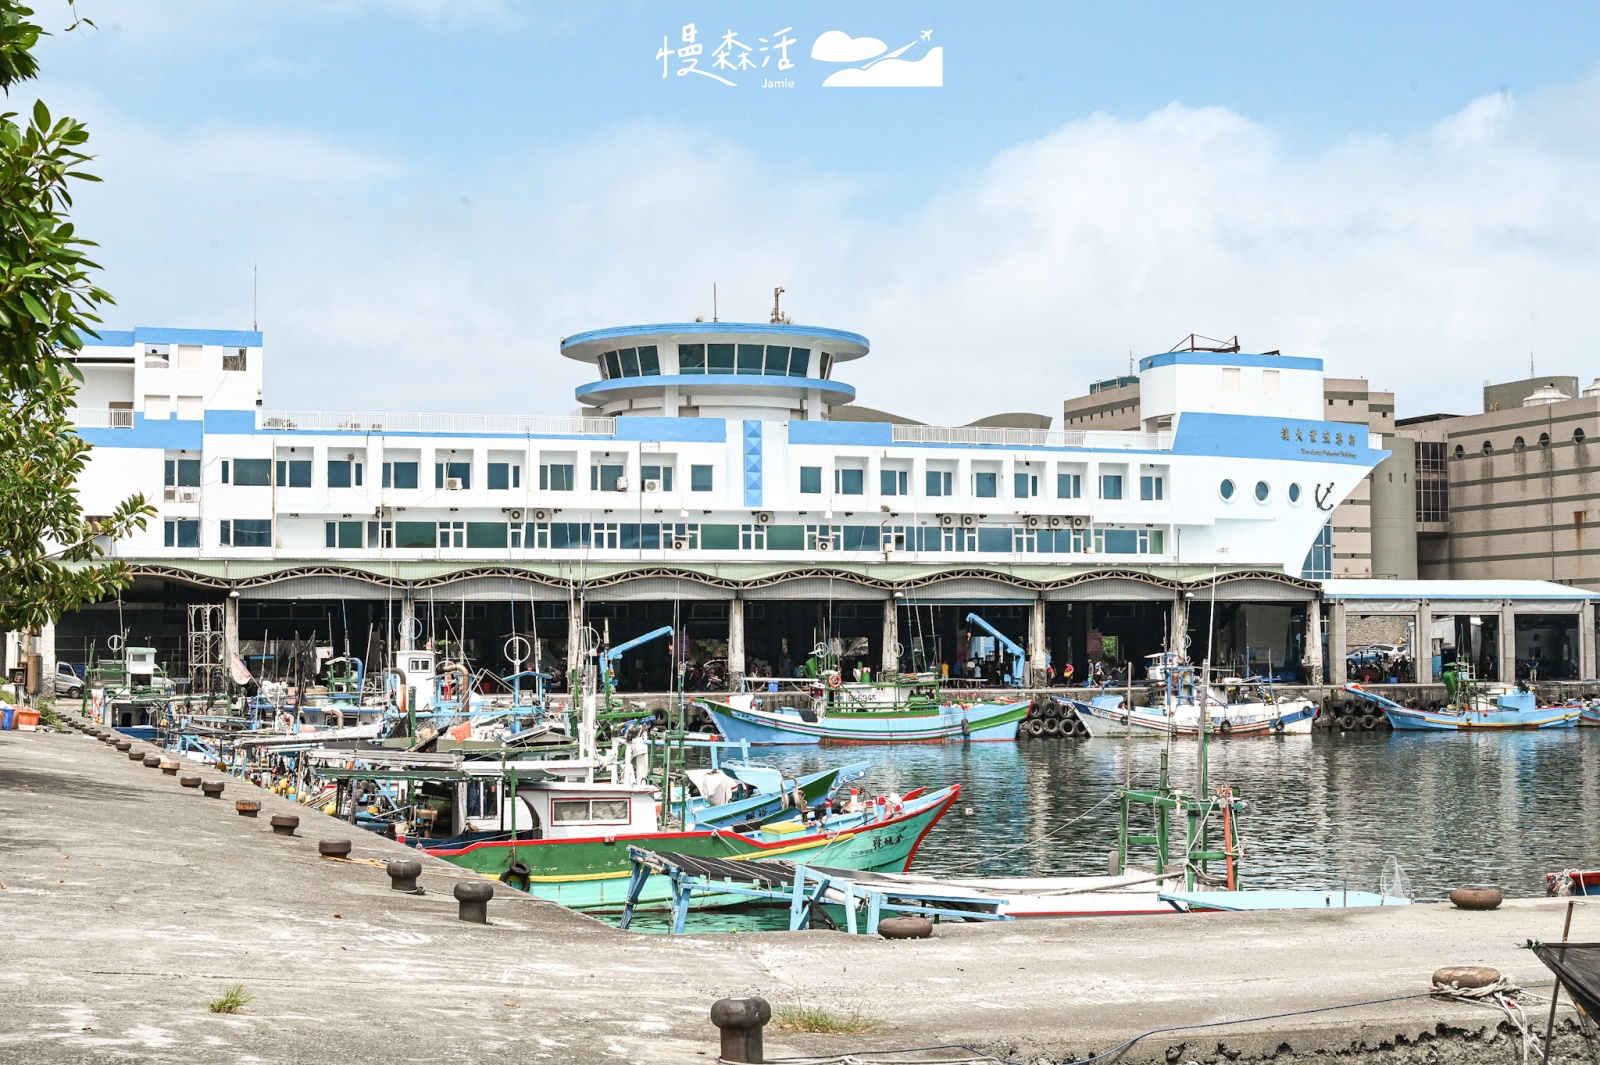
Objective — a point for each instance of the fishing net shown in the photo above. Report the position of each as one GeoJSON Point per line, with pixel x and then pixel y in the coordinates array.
{"type": "Point", "coordinates": [1394, 884]}
{"type": "Point", "coordinates": [1578, 967]}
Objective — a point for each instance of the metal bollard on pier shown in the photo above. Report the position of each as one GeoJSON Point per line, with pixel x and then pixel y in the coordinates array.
{"type": "Point", "coordinates": [474, 896]}
{"type": "Point", "coordinates": [403, 873]}
{"type": "Point", "coordinates": [741, 1021]}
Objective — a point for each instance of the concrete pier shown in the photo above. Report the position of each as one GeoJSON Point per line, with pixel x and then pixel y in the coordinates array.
{"type": "Point", "coordinates": [129, 902]}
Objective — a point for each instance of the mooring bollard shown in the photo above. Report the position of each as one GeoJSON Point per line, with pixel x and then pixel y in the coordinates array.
{"type": "Point", "coordinates": [189, 781]}
{"type": "Point", "coordinates": [212, 789]}
{"type": "Point", "coordinates": [403, 873]}
{"type": "Point", "coordinates": [741, 1020]}
{"type": "Point", "coordinates": [247, 807]}
{"type": "Point", "coordinates": [333, 848]}
{"type": "Point", "coordinates": [151, 761]}
{"type": "Point", "coordinates": [124, 745]}
{"type": "Point", "coordinates": [135, 756]}
{"type": "Point", "coordinates": [474, 896]}
{"type": "Point", "coordinates": [284, 824]}
{"type": "Point", "coordinates": [170, 766]}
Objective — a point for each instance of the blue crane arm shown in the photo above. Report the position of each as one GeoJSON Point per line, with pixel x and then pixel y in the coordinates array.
{"type": "Point", "coordinates": [618, 651]}
{"type": "Point", "coordinates": [1005, 641]}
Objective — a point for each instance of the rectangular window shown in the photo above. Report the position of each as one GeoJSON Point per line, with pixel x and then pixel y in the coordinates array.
{"type": "Point", "coordinates": [649, 361]}
{"type": "Point", "coordinates": [1024, 485]}
{"type": "Point", "coordinates": [191, 408]}
{"type": "Point", "coordinates": [569, 535]}
{"type": "Point", "coordinates": [247, 532]}
{"type": "Point", "coordinates": [500, 475]}
{"type": "Point", "coordinates": [235, 360]}
{"type": "Point", "coordinates": [605, 536]}
{"type": "Point", "coordinates": [940, 483]}
{"type": "Point", "coordinates": [719, 358]}
{"type": "Point", "coordinates": [719, 537]}
{"type": "Point", "coordinates": [294, 473]}
{"type": "Point", "coordinates": [416, 534]}
{"type": "Point", "coordinates": [752, 537]}
{"type": "Point", "coordinates": [444, 472]}
{"type": "Point", "coordinates": [811, 480]}
{"type": "Point", "coordinates": [645, 537]}
{"type": "Point", "coordinates": [750, 358]}
{"type": "Point", "coordinates": [630, 361]}
{"type": "Point", "coordinates": [1111, 486]}
{"type": "Point", "coordinates": [606, 811]}
{"type": "Point", "coordinates": [986, 485]}
{"type": "Point", "coordinates": [691, 358]}
{"type": "Point", "coordinates": [892, 482]}
{"type": "Point", "coordinates": [1069, 486]}
{"type": "Point", "coordinates": [254, 472]}
{"type": "Point", "coordinates": [680, 536]}
{"type": "Point", "coordinates": [182, 532]}
{"type": "Point", "coordinates": [1230, 378]}
{"type": "Point", "coordinates": [860, 538]}
{"type": "Point", "coordinates": [339, 473]}
{"type": "Point", "coordinates": [1117, 541]}
{"type": "Point", "coordinates": [849, 482]}
{"type": "Point", "coordinates": [516, 534]}
{"type": "Point", "coordinates": [183, 473]}
{"type": "Point", "coordinates": [786, 537]}
{"type": "Point", "coordinates": [1150, 488]}
{"type": "Point", "coordinates": [400, 474]}
{"type": "Point", "coordinates": [777, 361]}
{"type": "Point", "coordinates": [488, 535]}
{"type": "Point", "coordinates": [817, 535]}
{"type": "Point", "coordinates": [992, 539]}
{"type": "Point", "coordinates": [342, 534]}
{"type": "Point", "coordinates": [799, 361]}
{"type": "Point", "coordinates": [1269, 382]}
{"type": "Point", "coordinates": [610, 365]}
{"type": "Point", "coordinates": [662, 475]}
{"type": "Point", "coordinates": [452, 534]}
{"type": "Point", "coordinates": [556, 478]}
{"type": "Point", "coordinates": [604, 478]}
{"type": "Point", "coordinates": [224, 471]}
{"type": "Point", "coordinates": [699, 478]}
{"type": "Point", "coordinates": [156, 408]}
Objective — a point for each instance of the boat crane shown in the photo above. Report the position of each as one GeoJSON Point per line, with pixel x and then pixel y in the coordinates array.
{"type": "Point", "coordinates": [1017, 656]}
{"type": "Point", "coordinates": [618, 651]}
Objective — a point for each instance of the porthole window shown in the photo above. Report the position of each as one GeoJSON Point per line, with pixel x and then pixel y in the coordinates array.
{"type": "Point", "coordinates": [1226, 488]}
{"type": "Point", "coordinates": [1263, 491]}
{"type": "Point", "coordinates": [1577, 436]}
{"type": "Point", "coordinates": [1544, 439]}
{"type": "Point", "coordinates": [1294, 493]}
{"type": "Point", "coordinates": [1516, 445]}
{"type": "Point", "coordinates": [1460, 451]}
{"type": "Point", "coordinates": [1488, 448]}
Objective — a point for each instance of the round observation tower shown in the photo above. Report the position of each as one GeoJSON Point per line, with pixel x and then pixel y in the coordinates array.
{"type": "Point", "coordinates": [716, 370]}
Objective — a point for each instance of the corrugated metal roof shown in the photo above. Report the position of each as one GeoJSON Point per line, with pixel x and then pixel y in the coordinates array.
{"type": "Point", "coordinates": [1355, 588]}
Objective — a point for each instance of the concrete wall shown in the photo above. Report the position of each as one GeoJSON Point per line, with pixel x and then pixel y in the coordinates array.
{"type": "Point", "coordinates": [1394, 513]}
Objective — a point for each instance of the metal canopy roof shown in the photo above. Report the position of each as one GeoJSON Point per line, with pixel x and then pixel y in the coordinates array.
{"type": "Point", "coordinates": [1361, 588]}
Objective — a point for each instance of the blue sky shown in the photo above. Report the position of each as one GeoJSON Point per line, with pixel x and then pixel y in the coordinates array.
{"type": "Point", "coordinates": [474, 179]}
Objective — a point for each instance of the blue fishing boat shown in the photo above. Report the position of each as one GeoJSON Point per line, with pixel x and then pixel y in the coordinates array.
{"type": "Point", "coordinates": [744, 717]}
{"type": "Point", "coordinates": [1506, 711]}
{"type": "Point", "coordinates": [746, 795]}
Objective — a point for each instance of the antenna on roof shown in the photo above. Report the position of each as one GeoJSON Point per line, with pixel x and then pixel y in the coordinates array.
{"type": "Point", "coordinates": [255, 270]}
{"type": "Point", "coordinates": [713, 301]}
{"type": "Point", "coordinates": [778, 317]}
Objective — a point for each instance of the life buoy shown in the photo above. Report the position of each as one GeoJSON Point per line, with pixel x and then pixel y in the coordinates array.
{"type": "Point", "coordinates": [1277, 724]}
{"type": "Point", "coordinates": [286, 721]}
{"type": "Point", "coordinates": [835, 680]}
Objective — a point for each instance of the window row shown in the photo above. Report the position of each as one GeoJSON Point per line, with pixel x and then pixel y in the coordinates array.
{"type": "Point", "coordinates": [769, 360]}
{"type": "Point", "coordinates": [985, 485]}
{"type": "Point", "coordinates": [690, 536]}
{"type": "Point", "coordinates": [1262, 491]}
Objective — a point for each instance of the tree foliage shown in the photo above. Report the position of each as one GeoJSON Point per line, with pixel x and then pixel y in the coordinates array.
{"type": "Point", "coordinates": [53, 557]}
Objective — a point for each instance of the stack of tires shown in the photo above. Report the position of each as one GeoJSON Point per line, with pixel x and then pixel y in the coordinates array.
{"type": "Point", "coordinates": [1049, 720]}
{"type": "Point", "coordinates": [1352, 715]}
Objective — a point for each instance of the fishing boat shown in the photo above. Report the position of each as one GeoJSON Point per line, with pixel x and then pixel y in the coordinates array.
{"type": "Point", "coordinates": [1503, 711]}
{"type": "Point", "coordinates": [581, 860]}
{"type": "Point", "coordinates": [1573, 882]}
{"type": "Point", "coordinates": [1234, 707]}
{"type": "Point", "coordinates": [1589, 714]}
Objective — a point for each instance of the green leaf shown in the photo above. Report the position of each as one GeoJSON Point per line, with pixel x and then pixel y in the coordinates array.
{"type": "Point", "coordinates": [34, 307]}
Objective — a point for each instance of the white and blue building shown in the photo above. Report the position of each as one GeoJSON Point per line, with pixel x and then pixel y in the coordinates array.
{"type": "Point", "coordinates": [716, 476]}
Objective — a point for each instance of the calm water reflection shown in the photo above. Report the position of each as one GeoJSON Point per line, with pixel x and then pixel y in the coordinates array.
{"type": "Point", "coordinates": [1499, 809]}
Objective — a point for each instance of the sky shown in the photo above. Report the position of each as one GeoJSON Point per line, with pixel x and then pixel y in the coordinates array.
{"type": "Point", "coordinates": [416, 199]}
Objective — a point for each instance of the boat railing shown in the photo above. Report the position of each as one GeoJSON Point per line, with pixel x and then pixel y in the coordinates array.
{"type": "Point", "coordinates": [322, 421]}
{"type": "Point", "coordinates": [1096, 439]}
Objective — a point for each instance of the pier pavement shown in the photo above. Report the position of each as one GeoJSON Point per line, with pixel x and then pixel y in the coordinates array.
{"type": "Point", "coordinates": [129, 902]}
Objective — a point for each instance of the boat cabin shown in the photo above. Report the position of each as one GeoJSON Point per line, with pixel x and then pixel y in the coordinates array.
{"type": "Point", "coordinates": [541, 809]}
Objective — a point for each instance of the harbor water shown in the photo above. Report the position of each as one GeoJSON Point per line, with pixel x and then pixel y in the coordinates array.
{"type": "Point", "coordinates": [1324, 811]}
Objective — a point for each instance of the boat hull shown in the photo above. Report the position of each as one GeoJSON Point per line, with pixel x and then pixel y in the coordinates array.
{"type": "Point", "coordinates": [1292, 718]}
{"type": "Point", "coordinates": [980, 723]}
{"type": "Point", "coordinates": [1406, 719]}
{"type": "Point", "coordinates": [594, 874]}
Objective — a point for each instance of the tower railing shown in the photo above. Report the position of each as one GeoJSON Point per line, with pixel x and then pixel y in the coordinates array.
{"type": "Point", "coordinates": [994, 436]}
{"type": "Point", "coordinates": [321, 421]}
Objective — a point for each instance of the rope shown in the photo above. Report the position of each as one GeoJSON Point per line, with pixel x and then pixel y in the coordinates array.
{"type": "Point", "coordinates": [881, 1057]}
{"type": "Point", "coordinates": [1497, 996]}
{"type": "Point", "coordinates": [1037, 839]}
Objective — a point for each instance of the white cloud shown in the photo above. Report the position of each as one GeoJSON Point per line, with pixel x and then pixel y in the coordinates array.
{"type": "Point", "coordinates": [1426, 263]}
{"type": "Point", "coordinates": [837, 46]}
{"type": "Point", "coordinates": [927, 72]}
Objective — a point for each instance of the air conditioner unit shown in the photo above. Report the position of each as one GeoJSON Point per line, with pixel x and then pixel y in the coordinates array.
{"type": "Point", "coordinates": [170, 494]}
{"type": "Point", "coordinates": [825, 544]}
{"type": "Point", "coordinates": [948, 521]}
{"type": "Point", "coordinates": [539, 514]}
{"type": "Point", "coordinates": [763, 517]}
{"type": "Point", "coordinates": [680, 543]}
{"type": "Point", "coordinates": [1033, 521]}
{"type": "Point", "coordinates": [385, 512]}
{"type": "Point", "coordinates": [1057, 521]}
{"type": "Point", "coordinates": [969, 521]}
{"type": "Point", "coordinates": [452, 484]}
{"type": "Point", "coordinates": [1079, 521]}
{"type": "Point", "coordinates": [652, 486]}
{"type": "Point", "coordinates": [516, 515]}
{"type": "Point", "coordinates": [190, 494]}
{"type": "Point", "coordinates": [622, 484]}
